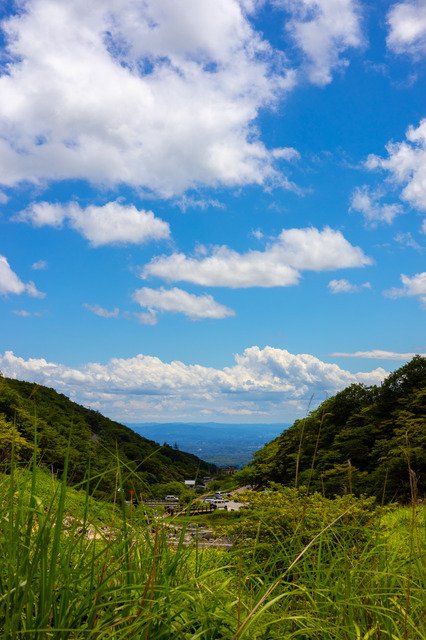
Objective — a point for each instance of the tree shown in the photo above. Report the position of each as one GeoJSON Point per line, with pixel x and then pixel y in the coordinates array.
{"type": "Point", "coordinates": [362, 440]}
{"type": "Point", "coordinates": [11, 441]}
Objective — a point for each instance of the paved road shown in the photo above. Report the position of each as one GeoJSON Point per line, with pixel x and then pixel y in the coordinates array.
{"type": "Point", "coordinates": [231, 505]}
{"type": "Point", "coordinates": [234, 506]}
{"type": "Point", "coordinates": [241, 489]}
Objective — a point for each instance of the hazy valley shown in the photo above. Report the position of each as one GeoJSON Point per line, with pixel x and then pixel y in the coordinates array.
{"type": "Point", "coordinates": [217, 443]}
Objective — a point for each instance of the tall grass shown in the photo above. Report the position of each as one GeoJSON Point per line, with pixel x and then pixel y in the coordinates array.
{"type": "Point", "coordinates": [64, 577]}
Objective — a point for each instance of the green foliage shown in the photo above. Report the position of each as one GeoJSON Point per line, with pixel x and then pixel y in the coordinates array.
{"type": "Point", "coordinates": [286, 514]}
{"type": "Point", "coordinates": [160, 491]}
{"type": "Point", "coordinates": [96, 442]}
{"type": "Point", "coordinates": [11, 441]}
{"type": "Point", "coordinates": [368, 440]}
{"type": "Point", "coordinates": [71, 576]}
{"type": "Point", "coordinates": [215, 485]}
{"type": "Point", "coordinates": [303, 566]}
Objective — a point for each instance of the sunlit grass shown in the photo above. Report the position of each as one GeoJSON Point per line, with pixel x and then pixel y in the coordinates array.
{"type": "Point", "coordinates": [72, 567]}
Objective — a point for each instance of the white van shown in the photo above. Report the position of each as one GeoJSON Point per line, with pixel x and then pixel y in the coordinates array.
{"type": "Point", "coordinates": [216, 501]}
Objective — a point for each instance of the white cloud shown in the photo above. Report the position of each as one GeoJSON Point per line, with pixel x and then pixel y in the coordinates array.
{"type": "Point", "coordinates": [406, 165]}
{"type": "Point", "coordinates": [407, 27]}
{"type": "Point", "coordinates": [286, 153]}
{"type": "Point", "coordinates": [39, 265]}
{"type": "Point", "coordinates": [41, 214]}
{"type": "Point", "coordinates": [407, 240]}
{"type": "Point", "coordinates": [324, 29]}
{"type": "Point", "coordinates": [161, 94]}
{"type": "Point", "coordinates": [415, 286]}
{"type": "Point", "coordinates": [179, 301]}
{"type": "Point", "coordinates": [32, 291]}
{"type": "Point", "coordinates": [373, 211]}
{"type": "Point", "coordinates": [377, 354]}
{"type": "Point", "coordinates": [11, 283]}
{"type": "Point", "coordinates": [26, 314]}
{"type": "Point", "coordinates": [225, 268]}
{"type": "Point", "coordinates": [316, 250]}
{"type": "Point", "coordinates": [22, 312]}
{"type": "Point", "coordinates": [190, 202]}
{"type": "Point", "coordinates": [112, 223]}
{"type": "Point", "coordinates": [3, 198]}
{"type": "Point", "coordinates": [277, 266]}
{"type": "Point", "coordinates": [147, 317]}
{"type": "Point", "coordinates": [268, 379]}
{"type": "Point", "coordinates": [344, 286]}
{"type": "Point", "coordinates": [100, 311]}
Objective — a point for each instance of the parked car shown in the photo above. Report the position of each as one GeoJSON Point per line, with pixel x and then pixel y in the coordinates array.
{"type": "Point", "coordinates": [171, 499]}
{"type": "Point", "coordinates": [216, 501]}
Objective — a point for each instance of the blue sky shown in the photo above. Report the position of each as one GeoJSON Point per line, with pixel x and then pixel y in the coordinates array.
{"type": "Point", "coordinates": [211, 210]}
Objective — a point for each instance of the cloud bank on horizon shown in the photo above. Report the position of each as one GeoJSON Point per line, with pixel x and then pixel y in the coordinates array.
{"type": "Point", "coordinates": [262, 382]}
{"type": "Point", "coordinates": [268, 156]}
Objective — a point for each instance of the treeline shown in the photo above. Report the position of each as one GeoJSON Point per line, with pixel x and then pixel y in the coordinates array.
{"type": "Point", "coordinates": [369, 440]}
{"type": "Point", "coordinates": [96, 442]}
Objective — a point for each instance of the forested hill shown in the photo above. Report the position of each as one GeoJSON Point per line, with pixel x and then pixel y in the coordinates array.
{"type": "Point", "coordinates": [95, 441]}
{"type": "Point", "coordinates": [364, 439]}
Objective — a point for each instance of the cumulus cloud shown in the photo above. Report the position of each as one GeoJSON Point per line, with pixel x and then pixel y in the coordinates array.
{"type": "Point", "coordinates": [377, 354]}
{"type": "Point", "coordinates": [415, 286]}
{"type": "Point", "coordinates": [100, 311]}
{"type": "Point", "coordinates": [112, 223]}
{"type": "Point", "coordinates": [179, 301]}
{"type": "Point", "coordinates": [268, 379]}
{"type": "Point", "coordinates": [406, 165]}
{"type": "Point", "coordinates": [225, 268]}
{"type": "Point", "coordinates": [11, 283]}
{"type": "Point", "coordinates": [374, 212]}
{"type": "Point", "coordinates": [324, 29]}
{"type": "Point", "coordinates": [344, 286]}
{"type": "Point", "coordinates": [160, 95]}
{"type": "Point", "coordinates": [407, 27]}
{"type": "Point", "coordinates": [277, 266]}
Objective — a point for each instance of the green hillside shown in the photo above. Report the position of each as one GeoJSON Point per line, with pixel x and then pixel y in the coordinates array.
{"type": "Point", "coordinates": [296, 564]}
{"type": "Point", "coordinates": [96, 442]}
{"type": "Point", "coordinates": [368, 440]}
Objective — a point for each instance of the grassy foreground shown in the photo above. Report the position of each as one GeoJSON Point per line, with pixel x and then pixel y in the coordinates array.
{"type": "Point", "coordinates": [72, 567]}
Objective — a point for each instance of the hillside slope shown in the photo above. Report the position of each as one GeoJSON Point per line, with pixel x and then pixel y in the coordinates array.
{"type": "Point", "coordinates": [363, 440]}
{"type": "Point", "coordinates": [95, 441]}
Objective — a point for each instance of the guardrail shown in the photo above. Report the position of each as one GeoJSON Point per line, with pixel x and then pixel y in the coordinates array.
{"type": "Point", "coordinates": [174, 508]}
{"type": "Point", "coordinates": [193, 510]}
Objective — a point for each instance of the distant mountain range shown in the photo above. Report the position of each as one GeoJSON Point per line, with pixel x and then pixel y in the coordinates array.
{"type": "Point", "coordinates": [214, 442]}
